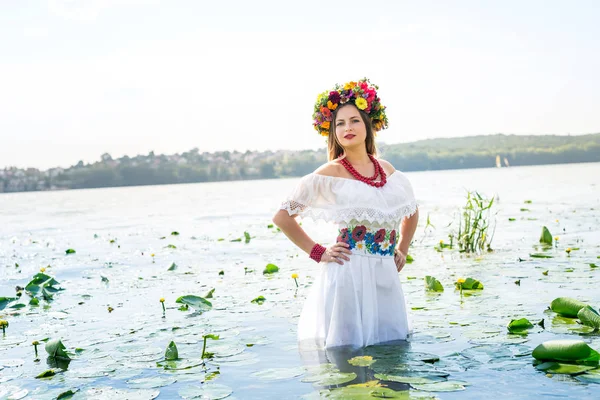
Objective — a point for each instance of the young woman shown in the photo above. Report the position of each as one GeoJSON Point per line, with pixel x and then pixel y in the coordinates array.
{"type": "Point", "coordinates": [357, 299]}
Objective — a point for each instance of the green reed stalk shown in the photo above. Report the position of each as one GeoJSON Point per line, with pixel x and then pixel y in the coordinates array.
{"type": "Point", "coordinates": [474, 224]}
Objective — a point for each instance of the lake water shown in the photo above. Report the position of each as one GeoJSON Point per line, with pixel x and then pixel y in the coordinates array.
{"type": "Point", "coordinates": [125, 248]}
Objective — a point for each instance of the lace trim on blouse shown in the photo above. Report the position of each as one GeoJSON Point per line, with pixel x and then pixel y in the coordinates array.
{"type": "Point", "coordinates": [342, 200]}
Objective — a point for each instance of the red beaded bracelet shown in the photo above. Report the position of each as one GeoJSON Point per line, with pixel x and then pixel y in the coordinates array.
{"type": "Point", "coordinates": [317, 252]}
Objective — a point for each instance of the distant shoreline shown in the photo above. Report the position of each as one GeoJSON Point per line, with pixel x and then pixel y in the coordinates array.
{"type": "Point", "coordinates": [195, 167]}
{"type": "Point", "coordinates": [283, 177]}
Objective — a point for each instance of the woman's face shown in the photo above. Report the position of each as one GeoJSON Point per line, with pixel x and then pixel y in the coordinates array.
{"type": "Point", "coordinates": [350, 129]}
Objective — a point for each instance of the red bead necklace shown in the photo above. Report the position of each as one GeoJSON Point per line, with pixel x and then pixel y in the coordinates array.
{"type": "Point", "coordinates": [368, 180]}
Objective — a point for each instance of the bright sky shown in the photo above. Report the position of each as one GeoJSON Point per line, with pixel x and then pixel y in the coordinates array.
{"type": "Point", "coordinates": [82, 77]}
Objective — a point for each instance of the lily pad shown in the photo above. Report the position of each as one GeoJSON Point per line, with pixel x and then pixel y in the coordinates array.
{"type": "Point", "coordinates": [559, 368]}
{"type": "Point", "coordinates": [546, 236]}
{"type": "Point", "coordinates": [12, 392]}
{"type": "Point", "coordinates": [470, 284]}
{"type": "Point", "coordinates": [417, 380]}
{"type": "Point", "coordinates": [198, 303]}
{"type": "Point", "coordinates": [362, 393]}
{"type": "Point", "coordinates": [171, 353]}
{"type": "Point", "coordinates": [590, 317]}
{"type": "Point", "coordinates": [519, 326]}
{"type": "Point", "coordinates": [4, 301]}
{"type": "Point", "coordinates": [567, 306]}
{"type": "Point", "coordinates": [566, 350]}
{"type": "Point", "coordinates": [327, 375]}
{"type": "Point", "coordinates": [278, 374]}
{"type": "Point", "coordinates": [55, 348]}
{"type": "Point", "coordinates": [109, 393]}
{"type": "Point", "coordinates": [433, 284]}
{"type": "Point", "coordinates": [540, 255]}
{"type": "Point", "coordinates": [151, 382]}
{"type": "Point", "coordinates": [270, 269]}
{"type": "Point", "coordinates": [361, 361]}
{"type": "Point", "coordinates": [179, 364]}
{"type": "Point", "coordinates": [447, 386]}
{"type": "Point", "coordinates": [587, 378]}
{"type": "Point", "coordinates": [209, 391]}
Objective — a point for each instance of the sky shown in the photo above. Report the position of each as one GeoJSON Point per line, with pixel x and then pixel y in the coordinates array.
{"type": "Point", "coordinates": [79, 78]}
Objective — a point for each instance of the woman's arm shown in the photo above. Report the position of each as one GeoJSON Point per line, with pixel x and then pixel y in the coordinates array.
{"type": "Point", "coordinates": [290, 227]}
{"type": "Point", "coordinates": [407, 231]}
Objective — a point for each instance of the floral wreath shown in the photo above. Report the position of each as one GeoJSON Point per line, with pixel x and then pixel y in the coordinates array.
{"type": "Point", "coordinates": [362, 94]}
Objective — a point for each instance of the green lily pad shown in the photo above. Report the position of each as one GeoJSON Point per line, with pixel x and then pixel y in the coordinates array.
{"type": "Point", "coordinates": [587, 378]}
{"type": "Point", "coordinates": [46, 374]}
{"type": "Point", "coordinates": [70, 251]}
{"type": "Point", "coordinates": [417, 380]}
{"type": "Point", "coordinates": [151, 382]}
{"type": "Point", "coordinates": [109, 393]}
{"type": "Point", "coordinates": [559, 368]}
{"type": "Point", "coordinates": [209, 391]}
{"type": "Point", "coordinates": [567, 306]}
{"type": "Point", "coordinates": [566, 350]}
{"type": "Point", "coordinates": [4, 301]}
{"type": "Point", "coordinates": [363, 393]}
{"type": "Point", "coordinates": [12, 363]}
{"type": "Point", "coordinates": [590, 317]}
{"type": "Point", "coordinates": [171, 353]}
{"type": "Point", "coordinates": [447, 386]}
{"type": "Point", "coordinates": [540, 255]}
{"type": "Point", "coordinates": [67, 394]}
{"type": "Point", "coordinates": [259, 300]}
{"type": "Point", "coordinates": [327, 375]}
{"type": "Point", "coordinates": [198, 303]}
{"type": "Point", "coordinates": [179, 364]}
{"type": "Point", "coordinates": [270, 269]}
{"type": "Point", "coordinates": [55, 348]}
{"type": "Point", "coordinates": [361, 361]}
{"type": "Point", "coordinates": [277, 374]}
{"type": "Point", "coordinates": [546, 236]}
{"type": "Point", "coordinates": [433, 284]}
{"type": "Point", "coordinates": [12, 392]}
{"type": "Point", "coordinates": [519, 326]}
{"type": "Point", "coordinates": [470, 284]}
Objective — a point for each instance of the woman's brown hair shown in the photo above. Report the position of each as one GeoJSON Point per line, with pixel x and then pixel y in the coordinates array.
{"type": "Point", "coordinates": [335, 149]}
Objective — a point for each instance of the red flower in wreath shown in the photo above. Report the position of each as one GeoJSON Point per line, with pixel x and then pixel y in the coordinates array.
{"type": "Point", "coordinates": [358, 233]}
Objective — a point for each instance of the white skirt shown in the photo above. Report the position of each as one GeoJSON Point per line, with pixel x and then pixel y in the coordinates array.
{"type": "Point", "coordinates": [357, 304]}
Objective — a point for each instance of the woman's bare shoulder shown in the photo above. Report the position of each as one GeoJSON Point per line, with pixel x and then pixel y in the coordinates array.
{"type": "Point", "coordinates": [387, 166]}
{"type": "Point", "coordinates": [332, 168]}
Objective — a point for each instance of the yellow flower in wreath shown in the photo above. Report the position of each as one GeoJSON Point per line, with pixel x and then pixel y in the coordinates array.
{"type": "Point", "coordinates": [361, 103]}
{"type": "Point", "coordinates": [325, 125]}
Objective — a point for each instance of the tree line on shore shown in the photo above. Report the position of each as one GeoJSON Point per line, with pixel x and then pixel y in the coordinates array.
{"type": "Point", "coordinates": [195, 166]}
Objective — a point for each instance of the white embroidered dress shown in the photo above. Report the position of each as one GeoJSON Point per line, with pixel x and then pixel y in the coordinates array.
{"type": "Point", "coordinates": [361, 302]}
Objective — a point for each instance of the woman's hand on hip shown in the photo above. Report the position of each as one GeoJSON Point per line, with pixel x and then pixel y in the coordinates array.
{"type": "Point", "coordinates": [337, 253]}
{"type": "Point", "coordinates": [399, 259]}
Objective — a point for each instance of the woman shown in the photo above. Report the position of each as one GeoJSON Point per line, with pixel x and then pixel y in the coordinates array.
{"type": "Point", "coordinates": [357, 300]}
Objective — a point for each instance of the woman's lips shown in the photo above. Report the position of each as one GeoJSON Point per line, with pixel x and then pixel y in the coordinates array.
{"type": "Point", "coordinates": [349, 136]}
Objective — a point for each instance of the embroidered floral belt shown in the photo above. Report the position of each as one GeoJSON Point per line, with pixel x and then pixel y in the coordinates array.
{"type": "Point", "coordinates": [363, 240]}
